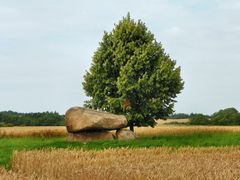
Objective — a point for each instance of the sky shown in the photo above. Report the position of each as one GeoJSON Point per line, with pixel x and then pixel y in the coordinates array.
{"type": "Point", "coordinates": [46, 47]}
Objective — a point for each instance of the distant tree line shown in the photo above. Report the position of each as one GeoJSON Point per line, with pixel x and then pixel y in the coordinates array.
{"type": "Point", "coordinates": [228, 116]}
{"type": "Point", "coordinates": [10, 118]}
{"type": "Point", "coordinates": [185, 115]}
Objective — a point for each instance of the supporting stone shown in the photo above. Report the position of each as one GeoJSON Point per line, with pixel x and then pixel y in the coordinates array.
{"type": "Point", "coordinates": [125, 134]}
{"type": "Point", "coordinates": [90, 136]}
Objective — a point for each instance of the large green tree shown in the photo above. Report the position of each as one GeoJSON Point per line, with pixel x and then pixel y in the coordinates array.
{"type": "Point", "coordinates": [132, 75]}
{"type": "Point", "coordinates": [228, 116]}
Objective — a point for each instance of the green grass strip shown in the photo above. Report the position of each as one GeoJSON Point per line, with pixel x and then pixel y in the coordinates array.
{"type": "Point", "coordinates": [8, 145]}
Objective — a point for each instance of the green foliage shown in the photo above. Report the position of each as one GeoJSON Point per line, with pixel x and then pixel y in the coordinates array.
{"type": "Point", "coordinates": [132, 75]}
{"type": "Point", "coordinates": [179, 116]}
{"type": "Point", "coordinates": [10, 118]}
{"type": "Point", "coordinates": [8, 145]}
{"type": "Point", "coordinates": [229, 116]}
{"type": "Point", "coordinates": [199, 119]}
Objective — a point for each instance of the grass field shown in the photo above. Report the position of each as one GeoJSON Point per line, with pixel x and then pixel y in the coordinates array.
{"type": "Point", "coordinates": [8, 145]}
{"type": "Point", "coordinates": [43, 152]}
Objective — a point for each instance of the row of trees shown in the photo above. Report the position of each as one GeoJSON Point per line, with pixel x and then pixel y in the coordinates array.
{"type": "Point", "coordinates": [10, 118]}
{"type": "Point", "coordinates": [228, 116]}
{"type": "Point", "coordinates": [181, 116]}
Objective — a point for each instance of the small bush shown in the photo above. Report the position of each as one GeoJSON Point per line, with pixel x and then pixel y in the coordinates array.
{"type": "Point", "coordinates": [199, 119]}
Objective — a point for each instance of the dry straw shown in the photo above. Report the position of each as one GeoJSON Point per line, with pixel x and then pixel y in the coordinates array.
{"type": "Point", "coordinates": [60, 131]}
{"type": "Point", "coordinates": [34, 131]}
{"type": "Point", "coordinates": [154, 163]}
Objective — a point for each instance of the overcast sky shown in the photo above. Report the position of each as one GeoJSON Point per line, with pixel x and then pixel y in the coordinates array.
{"type": "Point", "coordinates": [46, 46]}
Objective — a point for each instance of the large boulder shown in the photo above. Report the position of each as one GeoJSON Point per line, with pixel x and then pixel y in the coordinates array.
{"type": "Point", "coordinates": [125, 134]}
{"type": "Point", "coordinates": [79, 119]}
{"type": "Point", "coordinates": [90, 136]}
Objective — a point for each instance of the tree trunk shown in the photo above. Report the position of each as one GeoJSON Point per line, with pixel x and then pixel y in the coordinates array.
{"type": "Point", "coordinates": [132, 128]}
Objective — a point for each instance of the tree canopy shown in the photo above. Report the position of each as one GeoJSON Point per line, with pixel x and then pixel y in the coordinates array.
{"type": "Point", "coordinates": [132, 75]}
{"type": "Point", "coordinates": [228, 116]}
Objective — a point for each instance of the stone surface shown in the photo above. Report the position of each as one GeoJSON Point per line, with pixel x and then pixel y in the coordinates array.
{"type": "Point", "coordinates": [79, 119]}
{"type": "Point", "coordinates": [90, 136]}
{"type": "Point", "coordinates": [125, 134]}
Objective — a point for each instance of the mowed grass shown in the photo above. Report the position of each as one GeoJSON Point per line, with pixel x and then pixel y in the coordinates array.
{"type": "Point", "coordinates": [195, 139]}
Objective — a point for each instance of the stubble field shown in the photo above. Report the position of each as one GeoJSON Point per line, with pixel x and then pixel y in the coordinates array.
{"type": "Point", "coordinates": [163, 152]}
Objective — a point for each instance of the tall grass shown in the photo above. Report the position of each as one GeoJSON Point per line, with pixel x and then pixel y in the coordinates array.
{"type": "Point", "coordinates": [60, 131]}
{"type": "Point", "coordinates": [154, 163]}
{"type": "Point", "coordinates": [184, 130]}
{"type": "Point", "coordinates": [8, 145]}
{"type": "Point", "coordinates": [122, 159]}
{"type": "Point", "coordinates": [33, 131]}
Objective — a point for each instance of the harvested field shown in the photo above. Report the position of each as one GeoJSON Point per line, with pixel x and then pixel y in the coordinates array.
{"type": "Point", "coordinates": [154, 163]}
{"type": "Point", "coordinates": [60, 131]}
{"type": "Point", "coordinates": [4, 174]}
{"type": "Point", "coordinates": [42, 131]}
{"type": "Point", "coordinates": [184, 130]}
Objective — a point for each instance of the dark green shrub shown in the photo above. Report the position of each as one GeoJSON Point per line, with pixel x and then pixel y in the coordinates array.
{"type": "Point", "coordinates": [228, 116]}
{"type": "Point", "coordinates": [179, 116]}
{"type": "Point", "coordinates": [199, 119]}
